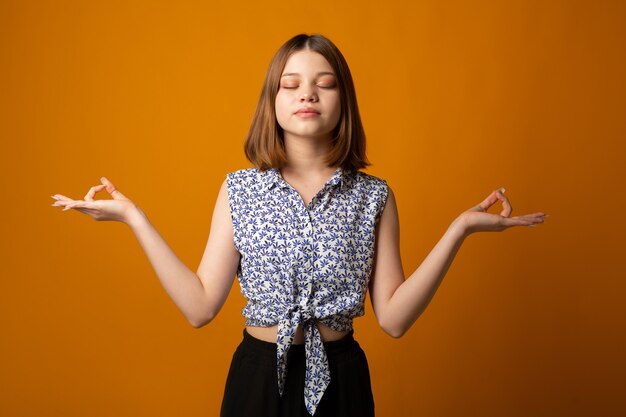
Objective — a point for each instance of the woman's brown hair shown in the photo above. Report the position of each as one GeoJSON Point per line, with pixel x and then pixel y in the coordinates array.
{"type": "Point", "coordinates": [264, 145]}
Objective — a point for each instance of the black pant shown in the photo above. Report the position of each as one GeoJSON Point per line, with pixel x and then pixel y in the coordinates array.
{"type": "Point", "coordinates": [252, 384]}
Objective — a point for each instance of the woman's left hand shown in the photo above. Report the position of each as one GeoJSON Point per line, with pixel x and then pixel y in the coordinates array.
{"type": "Point", "coordinates": [477, 219]}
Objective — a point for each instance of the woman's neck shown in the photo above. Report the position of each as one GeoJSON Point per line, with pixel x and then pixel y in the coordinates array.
{"type": "Point", "coordinates": [306, 156]}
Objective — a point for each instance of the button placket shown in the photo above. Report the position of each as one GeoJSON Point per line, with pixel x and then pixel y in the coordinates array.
{"type": "Point", "coordinates": [301, 222]}
{"type": "Point", "coordinates": [305, 278]}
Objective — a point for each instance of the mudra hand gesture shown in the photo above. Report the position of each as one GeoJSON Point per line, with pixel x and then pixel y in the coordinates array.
{"type": "Point", "coordinates": [478, 220]}
{"type": "Point", "coordinates": [117, 209]}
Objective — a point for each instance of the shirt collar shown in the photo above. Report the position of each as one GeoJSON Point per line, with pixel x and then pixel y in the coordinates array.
{"type": "Point", "coordinates": [272, 177]}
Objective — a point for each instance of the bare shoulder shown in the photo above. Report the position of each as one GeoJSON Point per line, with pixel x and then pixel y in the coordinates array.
{"type": "Point", "coordinates": [387, 228]}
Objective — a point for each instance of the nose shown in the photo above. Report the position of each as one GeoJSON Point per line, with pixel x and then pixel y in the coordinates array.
{"type": "Point", "coordinates": [308, 96]}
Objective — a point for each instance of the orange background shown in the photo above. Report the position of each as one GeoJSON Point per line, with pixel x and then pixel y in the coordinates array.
{"type": "Point", "coordinates": [457, 98]}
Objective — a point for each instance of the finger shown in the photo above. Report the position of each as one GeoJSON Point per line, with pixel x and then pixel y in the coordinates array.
{"type": "Point", "coordinates": [60, 197]}
{"type": "Point", "coordinates": [506, 205]}
{"type": "Point", "coordinates": [528, 220]}
{"type": "Point", "coordinates": [61, 203]}
{"type": "Point", "coordinates": [490, 201]}
{"type": "Point", "coordinates": [67, 207]}
{"type": "Point", "coordinates": [535, 217]}
{"type": "Point", "coordinates": [111, 189]}
{"type": "Point", "coordinates": [78, 203]}
{"type": "Point", "coordinates": [92, 192]}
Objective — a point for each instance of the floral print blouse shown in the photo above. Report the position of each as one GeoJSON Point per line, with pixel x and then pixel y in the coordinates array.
{"type": "Point", "coordinates": [304, 263]}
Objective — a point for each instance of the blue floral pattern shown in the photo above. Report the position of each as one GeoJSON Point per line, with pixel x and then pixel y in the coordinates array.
{"type": "Point", "coordinates": [304, 263]}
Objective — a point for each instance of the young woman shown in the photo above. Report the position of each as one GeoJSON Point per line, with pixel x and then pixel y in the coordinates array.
{"type": "Point", "coordinates": [307, 234]}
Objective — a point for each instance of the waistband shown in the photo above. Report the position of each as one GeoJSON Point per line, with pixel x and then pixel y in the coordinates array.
{"type": "Point", "coordinates": [334, 346]}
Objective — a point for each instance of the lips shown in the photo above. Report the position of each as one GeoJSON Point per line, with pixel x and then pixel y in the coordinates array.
{"type": "Point", "coordinates": [307, 110]}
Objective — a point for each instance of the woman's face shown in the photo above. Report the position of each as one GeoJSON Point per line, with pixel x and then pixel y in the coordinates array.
{"type": "Point", "coordinates": [308, 102]}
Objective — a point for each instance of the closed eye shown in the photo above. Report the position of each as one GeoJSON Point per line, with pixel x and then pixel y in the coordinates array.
{"type": "Point", "coordinates": [320, 86]}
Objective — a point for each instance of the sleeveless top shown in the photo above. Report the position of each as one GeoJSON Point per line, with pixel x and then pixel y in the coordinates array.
{"type": "Point", "coordinates": [304, 263]}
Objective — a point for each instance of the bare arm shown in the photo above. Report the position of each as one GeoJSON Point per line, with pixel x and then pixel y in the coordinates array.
{"type": "Point", "coordinates": [397, 302]}
{"type": "Point", "coordinates": [201, 295]}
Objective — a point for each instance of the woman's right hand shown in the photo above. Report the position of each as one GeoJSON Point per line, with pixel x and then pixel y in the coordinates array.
{"type": "Point", "coordinates": [117, 209]}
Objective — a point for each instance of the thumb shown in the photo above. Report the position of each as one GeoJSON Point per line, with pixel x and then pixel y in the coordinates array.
{"type": "Point", "coordinates": [111, 189]}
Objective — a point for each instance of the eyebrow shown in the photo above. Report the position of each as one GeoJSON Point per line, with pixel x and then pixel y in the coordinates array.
{"type": "Point", "coordinates": [318, 74]}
